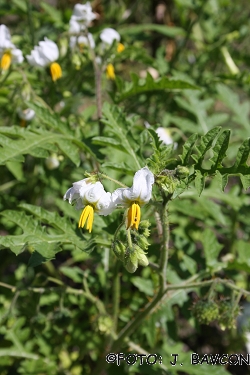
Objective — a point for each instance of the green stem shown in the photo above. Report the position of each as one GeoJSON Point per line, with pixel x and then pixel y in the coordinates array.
{"type": "Point", "coordinates": [116, 295]}
{"type": "Point", "coordinates": [112, 179]}
{"type": "Point", "coordinates": [165, 248]}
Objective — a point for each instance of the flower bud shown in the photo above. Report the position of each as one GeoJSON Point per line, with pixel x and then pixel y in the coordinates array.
{"type": "Point", "coordinates": [141, 256]}
{"type": "Point", "coordinates": [131, 261]}
{"type": "Point", "coordinates": [52, 162]}
{"type": "Point", "coordinates": [182, 172]}
{"type": "Point", "coordinates": [144, 228]}
{"type": "Point", "coordinates": [119, 250]}
{"type": "Point", "coordinates": [141, 241]}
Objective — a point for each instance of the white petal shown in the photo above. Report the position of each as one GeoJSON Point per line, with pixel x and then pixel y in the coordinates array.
{"type": "Point", "coordinates": [26, 114]}
{"type": "Point", "coordinates": [5, 38]}
{"type": "Point", "coordinates": [142, 184]}
{"type": "Point", "coordinates": [17, 55]}
{"type": "Point", "coordinates": [74, 26]}
{"type": "Point", "coordinates": [43, 54]}
{"type": "Point", "coordinates": [140, 191]}
{"type": "Point", "coordinates": [49, 50]}
{"type": "Point", "coordinates": [105, 205]}
{"type": "Point", "coordinates": [92, 193]}
{"type": "Point", "coordinates": [164, 135]}
{"type": "Point", "coordinates": [108, 35]}
{"type": "Point", "coordinates": [73, 193]}
{"type": "Point", "coordinates": [83, 13]}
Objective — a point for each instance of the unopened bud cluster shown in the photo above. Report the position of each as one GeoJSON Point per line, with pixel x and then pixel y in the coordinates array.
{"type": "Point", "coordinates": [134, 256]}
{"type": "Point", "coordinates": [224, 312]}
{"type": "Point", "coordinates": [169, 180]}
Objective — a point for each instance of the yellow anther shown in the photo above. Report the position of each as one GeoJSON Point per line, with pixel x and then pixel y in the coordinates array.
{"type": "Point", "coordinates": [134, 216]}
{"type": "Point", "coordinates": [56, 71]}
{"type": "Point", "coordinates": [87, 214]}
{"type": "Point", "coordinates": [120, 47]}
{"type": "Point", "coordinates": [110, 71]}
{"type": "Point", "coordinates": [5, 61]}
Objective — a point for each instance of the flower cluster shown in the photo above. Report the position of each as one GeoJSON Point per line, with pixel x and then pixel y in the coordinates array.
{"type": "Point", "coordinates": [46, 53]}
{"type": "Point", "coordinates": [80, 20]}
{"type": "Point", "coordinates": [8, 51]}
{"type": "Point", "coordinates": [92, 198]}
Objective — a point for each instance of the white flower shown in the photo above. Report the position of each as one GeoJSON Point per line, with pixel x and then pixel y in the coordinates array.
{"type": "Point", "coordinates": [83, 13]}
{"type": "Point", "coordinates": [165, 136]}
{"type": "Point", "coordinates": [82, 40]}
{"type": "Point", "coordinates": [108, 36]}
{"type": "Point", "coordinates": [92, 198]}
{"type": "Point", "coordinates": [52, 162]}
{"type": "Point", "coordinates": [26, 114]}
{"type": "Point", "coordinates": [45, 54]}
{"type": "Point", "coordinates": [8, 51]}
{"type": "Point", "coordinates": [152, 71]}
{"type": "Point", "coordinates": [136, 196]}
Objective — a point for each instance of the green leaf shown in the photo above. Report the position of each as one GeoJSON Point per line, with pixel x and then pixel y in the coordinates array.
{"type": "Point", "coordinates": [106, 141]}
{"type": "Point", "coordinates": [54, 14]}
{"type": "Point", "coordinates": [16, 169]}
{"type": "Point", "coordinates": [140, 86]}
{"type": "Point", "coordinates": [122, 167]}
{"type": "Point", "coordinates": [43, 252]}
{"type": "Point", "coordinates": [74, 273]}
{"type": "Point", "coordinates": [220, 149]}
{"type": "Point", "coordinates": [242, 155]}
{"type": "Point", "coordinates": [169, 31]}
{"type": "Point", "coordinates": [199, 182]}
{"type": "Point", "coordinates": [245, 180]}
{"type": "Point", "coordinates": [116, 122]}
{"type": "Point", "coordinates": [211, 249]}
{"type": "Point", "coordinates": [144, 285]}
{"type": "Point", "coordinates": [205, 144]}
{"type": "Point", "coordinates": [187, 149]}
{"type": "Point", "coordinates": [70, 150]}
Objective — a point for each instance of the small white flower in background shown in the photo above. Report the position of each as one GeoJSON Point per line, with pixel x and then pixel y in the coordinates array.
{"type": "Point", "coordinates": [82, 41]}
{"type": "Point", "coordinates": [152, 71]}
{"type": "Point", "coordinates": [92, 198]}
{"type": "Point", "coordinates": [52, 162]}
{"type": "Point", "coordinates": [135, 197]}
{"type": "Point", "coordinates": [165, 136]}
{"type": "Point", "coordinates": [8, 51]}
{"type": "Point", "coordinates": [45, 54]}
{"type": "Point", "coordinates": [26, 114]}
{"type": "Point", "coordinates": [83, 13]}
{"type": "Point", "coordinates": [109, 35]}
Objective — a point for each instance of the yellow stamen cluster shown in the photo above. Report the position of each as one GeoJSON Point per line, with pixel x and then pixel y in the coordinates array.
{"type": "Point", "coordinates": [56, 71]}
{"type": "Point", "coordinates": [87, 213]}
{"type": "Point", "coordinates": [134, 216]}
{"type": "Point", "coordinates": [110, 71]}
{"type": "Point", "coordinates": [5, 61]}
{"type": "Point", "coordinates": [120, 47]}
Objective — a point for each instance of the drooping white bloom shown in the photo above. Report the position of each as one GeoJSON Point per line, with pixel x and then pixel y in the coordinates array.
{"type": "Point", "coordinates": [136, 196]}
{"type": "Point", "coordinates": [92, 198]}
{"type": "Point", "coordinates": [108, 36]}
{"type": "Point", "coordinates": [26, 114]}
{"type": "Point", "coordinates": [83, 13]}
{"type": "Point", "coordinates": [8, 51]}
{"type": "Point", "coordinates": [45, 54]}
